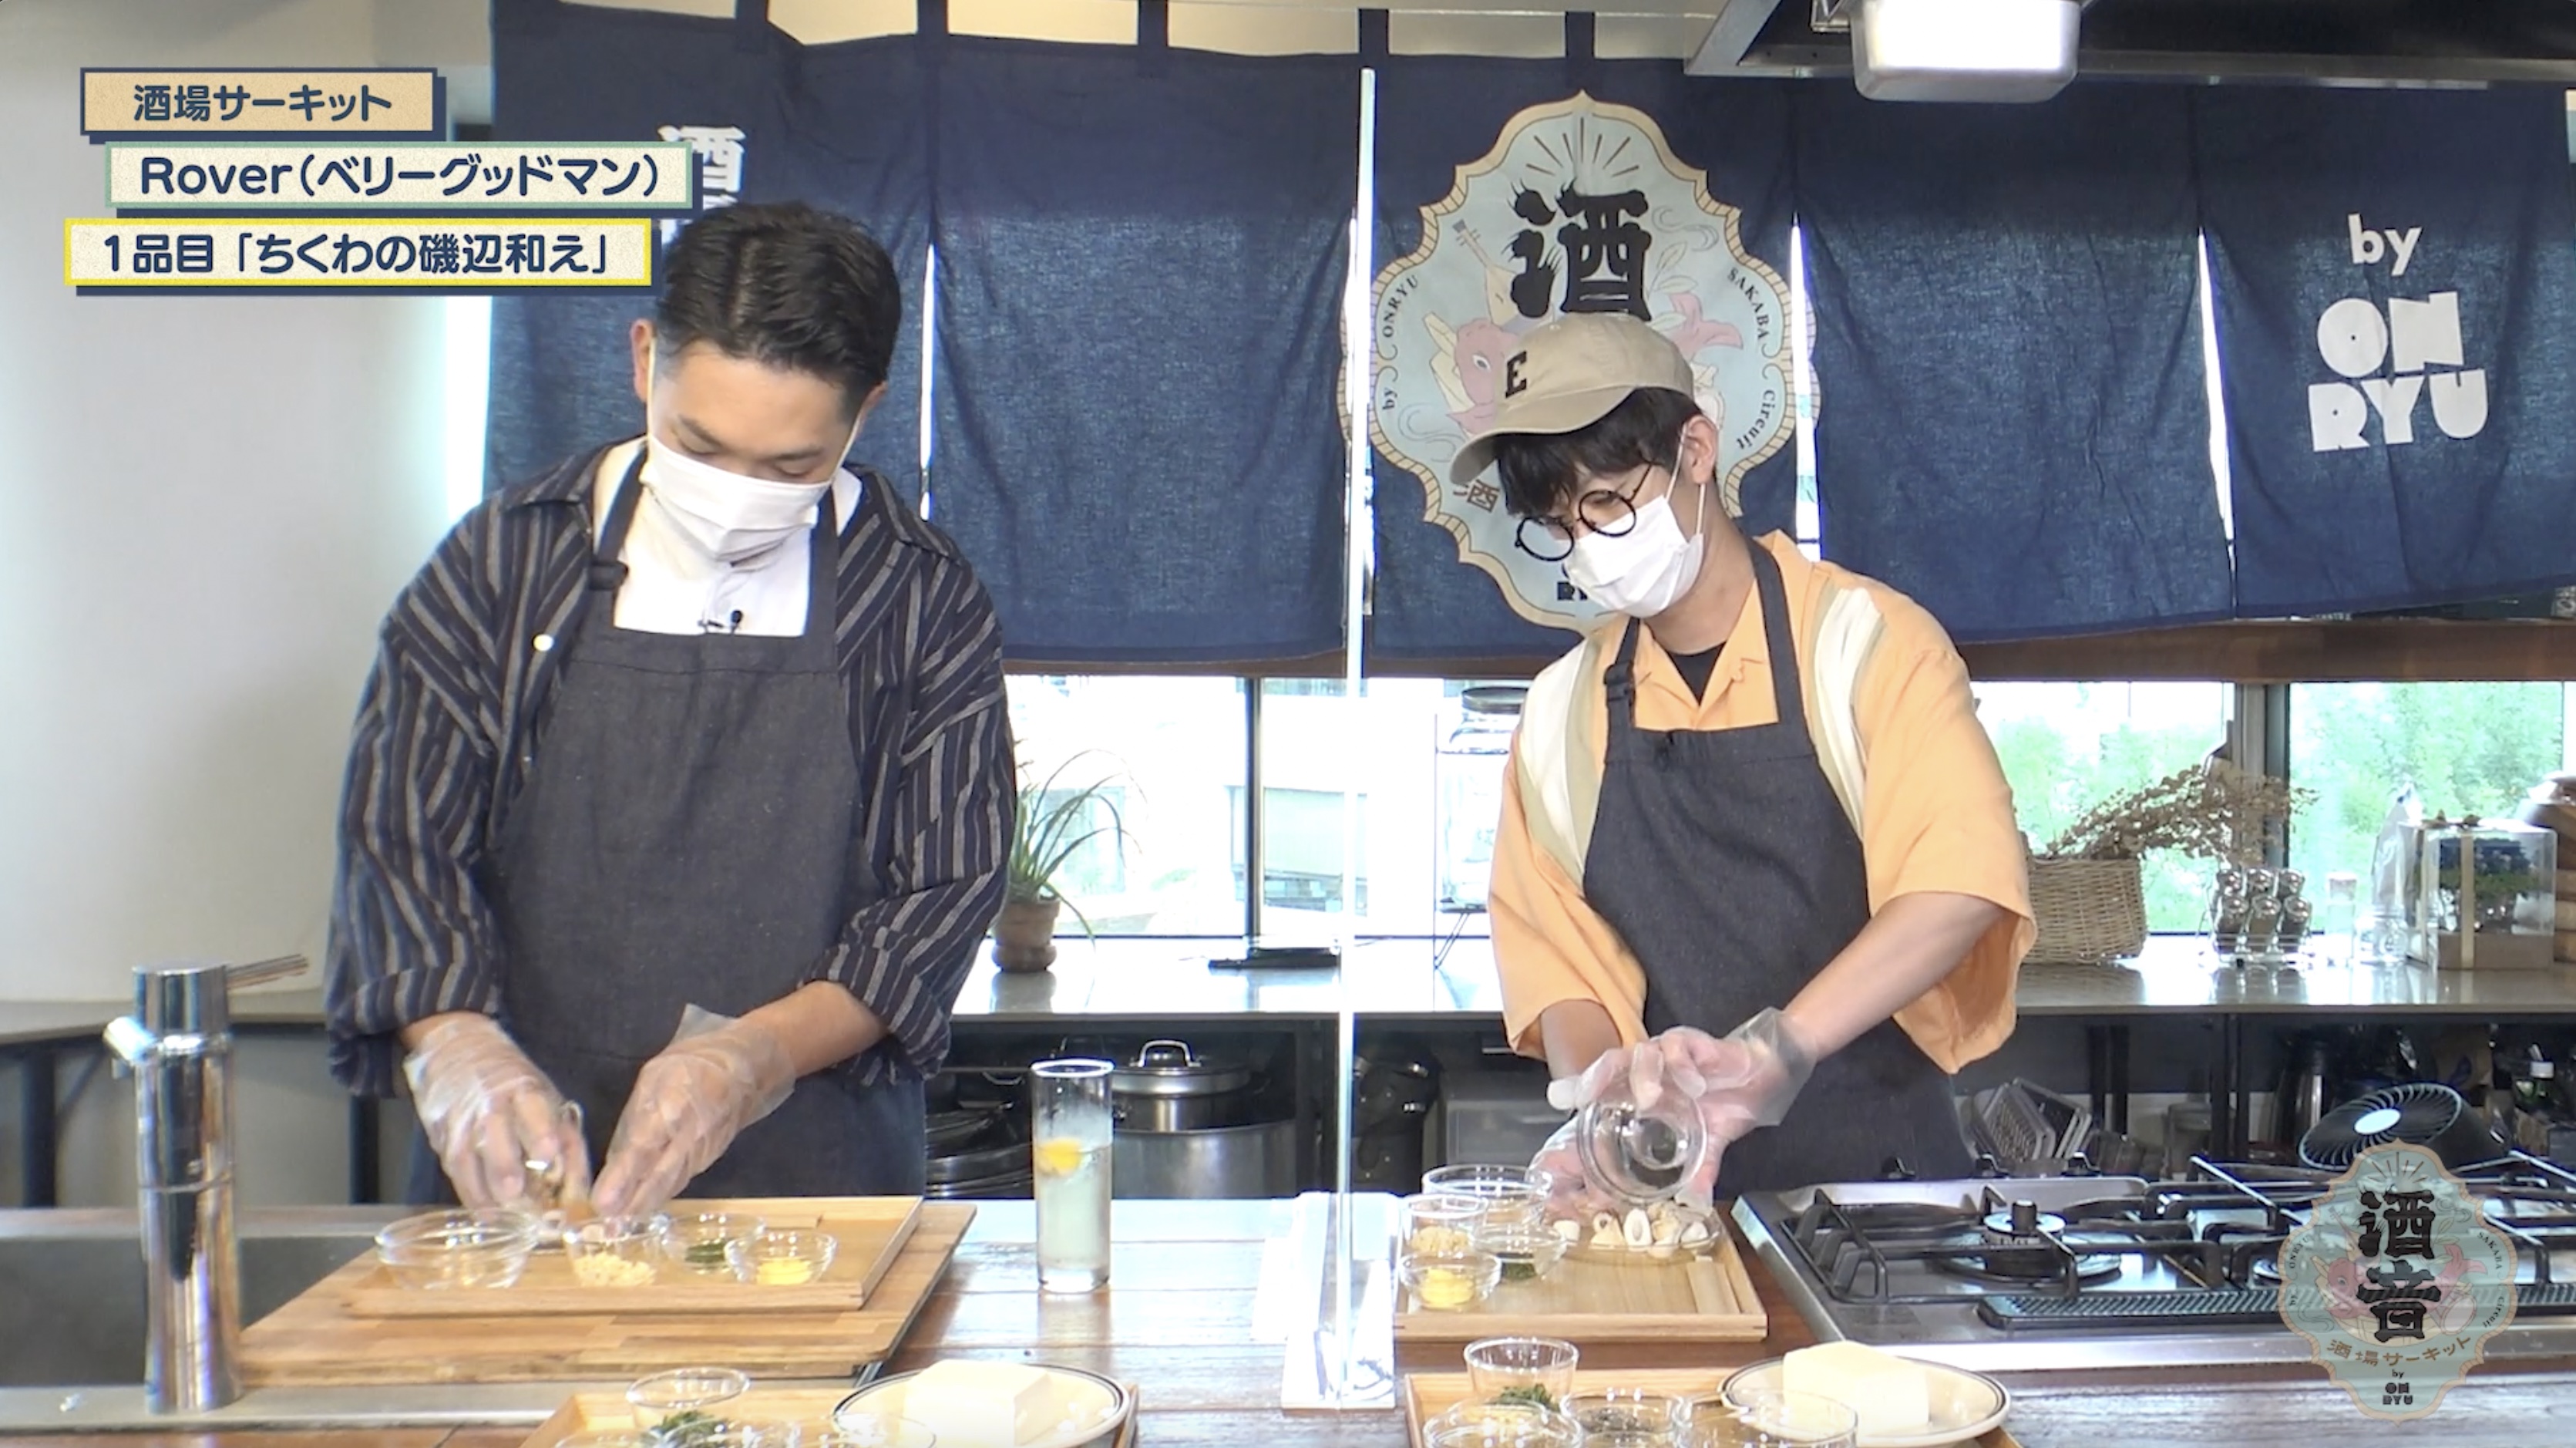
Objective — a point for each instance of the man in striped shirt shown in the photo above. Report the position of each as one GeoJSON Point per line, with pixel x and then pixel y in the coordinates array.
{"type": "Point", "coordinates": [681, 791]}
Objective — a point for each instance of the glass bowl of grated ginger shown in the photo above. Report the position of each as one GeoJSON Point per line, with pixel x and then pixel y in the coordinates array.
{"type": "Point", "coordinates": [781, 1256]}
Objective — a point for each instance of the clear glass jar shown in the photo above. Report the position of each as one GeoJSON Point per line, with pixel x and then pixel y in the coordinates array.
{"type": "Point", "coordinates": [1468, 771]}
{"type": "Point", "coordinates": [1639, 1154]}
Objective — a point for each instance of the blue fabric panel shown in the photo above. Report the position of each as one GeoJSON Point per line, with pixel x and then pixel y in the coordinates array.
{"type": "Point", "coordinates": [842, 127]}
{"type": "Point", "coordinates": [1141, 260]}
{"type": "Point", "coordinates": [2396, 296]}
{"type": "Point", "coordinates": [2012, 424]}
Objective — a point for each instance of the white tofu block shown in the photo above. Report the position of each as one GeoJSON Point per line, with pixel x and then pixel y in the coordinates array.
{"type": "Point", "coordinates": [1890, 1394]}
{"type": "Point", "coordinates": [980, 1404]}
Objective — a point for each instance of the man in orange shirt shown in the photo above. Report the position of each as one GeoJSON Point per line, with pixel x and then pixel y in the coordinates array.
{"type": "Point", "coordinates": [1769, 811]}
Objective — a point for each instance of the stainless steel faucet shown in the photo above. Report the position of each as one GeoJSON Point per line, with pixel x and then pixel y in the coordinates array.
{"type": "Point", "coordinates": [179, 1044]}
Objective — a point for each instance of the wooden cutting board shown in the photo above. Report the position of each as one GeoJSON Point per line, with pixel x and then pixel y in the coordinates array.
{"type": "Point", "coordinates": [870, 1231]}
{"type": "Point", "coordinates": [316, 1341]}
{"type": "Point", "coordinates": [808, 1408]}
{"type": "Point", "coordinates": [1588, 1299]}
{"type": "Point", "coordinates": [1428, 1395]}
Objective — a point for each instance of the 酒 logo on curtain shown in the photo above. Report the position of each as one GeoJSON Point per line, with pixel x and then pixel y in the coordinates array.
{"type": "Point", "coordinates": [2397, 1280]}
{"type": "Point", "coordinates": [719, 150]}
{"type": "Point", "coordinates": [1579, 207]}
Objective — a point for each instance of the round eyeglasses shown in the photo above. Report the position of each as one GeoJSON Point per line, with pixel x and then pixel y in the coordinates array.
{"type": "Point", "coordinates": [1603, 510]}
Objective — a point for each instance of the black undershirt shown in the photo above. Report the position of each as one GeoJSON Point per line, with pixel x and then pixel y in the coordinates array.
{"type": "Point", "coordinates": [1697, 668]}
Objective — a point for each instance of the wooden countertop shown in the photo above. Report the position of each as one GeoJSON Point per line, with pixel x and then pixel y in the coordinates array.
{"type": "Point", "coordinates": [1179, 1318]}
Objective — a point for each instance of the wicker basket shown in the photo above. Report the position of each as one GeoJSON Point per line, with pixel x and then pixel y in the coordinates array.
{"type": "Point", "coordinates": [2088, 911]}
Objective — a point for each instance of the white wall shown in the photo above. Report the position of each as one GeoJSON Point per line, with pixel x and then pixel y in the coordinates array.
{"type": "Point", "coordinates": [205, 505]}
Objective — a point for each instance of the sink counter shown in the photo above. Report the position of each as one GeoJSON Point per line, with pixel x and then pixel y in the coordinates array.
{"type": "Point", "coordinates": [1180, 1320]}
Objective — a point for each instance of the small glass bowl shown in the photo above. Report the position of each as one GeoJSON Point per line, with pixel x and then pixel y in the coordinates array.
{"type": "Point", "coordinates": [1512, 1196]}
{"type": "Point", "coordinates": [1629, 1417]}
{"type": "Point", "coordinates": [1438, 1222]}
{"type": "Point", "coordinates": [781, 1257]}
{"type": "Point", "coordinates": [1501, 1425]}
{"type": "Point", "coordinates": [1639, 1154]}
{"type": "Point", "coordinates": [1481, 1180]}
{"type": "Point", "coordinates": [615, 1251]}
{"type": "Point", "coordinates": [701, 1241]}
{"type": "Point", "coordinates": [698, 1391]}
{"type": "Point", "coordinates": [1528, 1250]}
{"type": "Point", "coordinates": [1500, 1365]}
{"type": "Point", "coordinates": [458, 1249]}
{"type": "Point", "coordinates": [1451, 1282]}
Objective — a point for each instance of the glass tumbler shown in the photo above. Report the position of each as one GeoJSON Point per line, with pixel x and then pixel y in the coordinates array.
{"type": "Point", "coordinates": [1070, 1118]}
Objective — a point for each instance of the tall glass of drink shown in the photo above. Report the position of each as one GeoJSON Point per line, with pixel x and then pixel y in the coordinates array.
{"type": "Point", "coordinates": [1069, 1156]}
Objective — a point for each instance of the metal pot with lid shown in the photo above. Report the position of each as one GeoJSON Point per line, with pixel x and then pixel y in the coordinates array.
{"type": "Point", "coordinates": [1170, 1087]}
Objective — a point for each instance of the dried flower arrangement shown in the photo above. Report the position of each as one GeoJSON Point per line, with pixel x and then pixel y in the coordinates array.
{"type": "Point", "coordinates": [2211, 810]}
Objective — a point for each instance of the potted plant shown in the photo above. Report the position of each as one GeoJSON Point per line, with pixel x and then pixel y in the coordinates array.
{"type": "Point", "coordinates": [1054, 824]}
{"type": "Point", "coordinates": [2086, 890]}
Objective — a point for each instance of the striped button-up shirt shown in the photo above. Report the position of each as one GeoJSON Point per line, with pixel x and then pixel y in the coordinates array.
{"type": "Point", "coordinates": [451, 724]}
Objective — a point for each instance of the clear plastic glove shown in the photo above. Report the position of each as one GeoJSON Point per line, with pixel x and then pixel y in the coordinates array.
{"type": "Point", "coordinates": [718, 1076]}
{"type": "Point", "coordinates": [488, 1112]}
{"type": "Point", "coordinates": [1571, 1196]}
{"type": "Point", "coordinates": [1642, 1066]}
{"type": "Point", "coordinates": [1744, 1081]}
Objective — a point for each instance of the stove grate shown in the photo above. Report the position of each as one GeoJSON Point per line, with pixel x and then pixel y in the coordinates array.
{"type": "Point", "coordinates": [2219, 1307]}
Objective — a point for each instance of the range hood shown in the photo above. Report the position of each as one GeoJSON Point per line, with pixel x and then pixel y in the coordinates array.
{"type": "Point", "coordinates": [2404, 42]}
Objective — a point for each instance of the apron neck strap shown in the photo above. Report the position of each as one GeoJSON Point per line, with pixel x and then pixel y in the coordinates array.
{"type": "Point", "coordinates": [607, 567]}
{"type": "Point", "coordinates": [823, 573]}
{"type": "Point", "coordinates": [1788, 691]}
{"type": "Point", "coordinates": [1619, 685]}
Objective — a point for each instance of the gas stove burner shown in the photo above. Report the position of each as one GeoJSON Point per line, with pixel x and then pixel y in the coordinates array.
{"type": "Point", "coordinates": [2021, 1224]}
{"type": "Point", "coordinates": [2019, 1245]}
{"type": "Point", "coordinates": [2020, 1267]}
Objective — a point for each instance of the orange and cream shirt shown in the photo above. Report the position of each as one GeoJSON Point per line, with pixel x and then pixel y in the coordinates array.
{"type": "Point", "coordinates": [1897, 736]}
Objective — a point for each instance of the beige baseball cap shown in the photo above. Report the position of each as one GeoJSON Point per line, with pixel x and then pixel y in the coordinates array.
{"type": "Point", "coordinates": [1568, 374]}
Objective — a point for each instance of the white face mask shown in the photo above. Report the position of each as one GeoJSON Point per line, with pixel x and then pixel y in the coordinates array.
{"type": "Point", "coordinates": [729, 516]}
{"type": "Point", "coordinates": [1645, 570]}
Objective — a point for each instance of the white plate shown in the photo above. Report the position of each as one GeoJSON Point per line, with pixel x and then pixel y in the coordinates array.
{"type": "Point", "coordinates": [1965, 1405]}
{"type": "Point", "coordinates": [1090, 1408]}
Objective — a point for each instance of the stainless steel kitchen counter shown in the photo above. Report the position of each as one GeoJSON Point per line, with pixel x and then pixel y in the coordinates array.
{"type": "Point", "coordinates": [24, 1023]}
{"type": "Point", "coordinates": [1417, 981]}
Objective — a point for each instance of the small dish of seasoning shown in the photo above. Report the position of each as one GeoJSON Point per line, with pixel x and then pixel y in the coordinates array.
{"type": "Point", "coordinates": [684, 1405]}
{"type": "Point", "coordinates": [615, 1251]}
{"type": "Point", "coordinates": [781, 1257]}
{"type": "Point", "coordinates": [1528, 1252]}
{"type": "Point", "coordinates": [698, 1241]}
{"type": "Point", "coordinates": [1453, 1282]}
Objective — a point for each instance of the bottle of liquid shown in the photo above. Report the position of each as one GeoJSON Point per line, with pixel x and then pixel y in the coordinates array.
{"type": "Point", "coordinates": [1470, 769]}
{"type": "Point", "coordinates": [2537, 1089]}
{"type": "Point", "coordinates": [2336, 928]}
